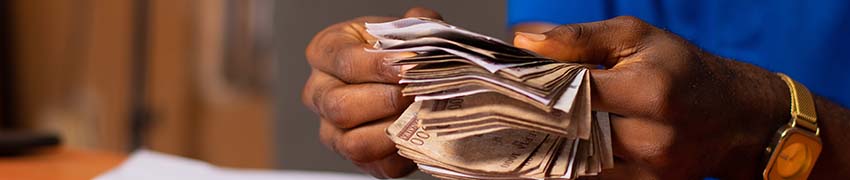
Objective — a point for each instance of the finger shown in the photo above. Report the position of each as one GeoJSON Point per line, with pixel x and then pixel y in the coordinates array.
{"type": "Point", "coordinates": [631, 141]}
{"type": "Point", "coordinates": [317, 85]}
{"type": "Point", "coordinates": [349, 105]}
{"type": "Point", "coordinates": [392, 166]}
{"type": "Point", "coordinates": [622, 90]}
{"type": "Point", "coordinates": [368, 147]}
{"type": "Point", "coordinates": [607, 43]}
{"type": "Point", "coordinates": [534, 27]}
{"type": "Point", "coordinates": [339, 51]}
{"type": "Point", "coordinates": [603, 42]}
{"type": "Point", "coordinates": [422, 12]}
{"type": "Point", "coordinates": [626, 170]}
{"type": "Point", "coordinates": [364, 144]}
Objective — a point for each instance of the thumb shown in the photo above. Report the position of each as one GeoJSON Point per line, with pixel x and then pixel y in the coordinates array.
{"type": "Point", "coordinates": [602, 42]}
{"type": "Point", "coordinates": [423, 12]}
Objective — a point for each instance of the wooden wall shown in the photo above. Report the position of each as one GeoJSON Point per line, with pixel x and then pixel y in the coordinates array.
{"type": "Point", "coordinates": [98, 71]}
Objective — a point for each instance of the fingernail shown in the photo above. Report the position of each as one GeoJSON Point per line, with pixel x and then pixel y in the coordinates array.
{"type": "Point", "coordinates": [396, 56]}
{"type": "Point", "coordinates": [396, 70]}
{"type": "Point", "coordinates": [407, 67]}
{"type": "Point", "coordinates": [531, 36]}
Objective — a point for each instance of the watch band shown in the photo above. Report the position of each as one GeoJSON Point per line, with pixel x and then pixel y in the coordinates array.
{"type": "Point", "coordinates": [797, 145]}
{"type": "Point", "coordinates": [803, 112]}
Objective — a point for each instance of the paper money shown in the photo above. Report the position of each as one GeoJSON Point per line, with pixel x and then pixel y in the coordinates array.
{"type": "Point", "coordinates": [487, 110]}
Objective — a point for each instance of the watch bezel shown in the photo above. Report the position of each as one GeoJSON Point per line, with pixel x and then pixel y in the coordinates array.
{"type": "Point", "coordinates": [780, 140]}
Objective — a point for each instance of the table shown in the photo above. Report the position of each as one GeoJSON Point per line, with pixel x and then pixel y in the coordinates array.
{"type": "Point", "coordinates": [59, 163]}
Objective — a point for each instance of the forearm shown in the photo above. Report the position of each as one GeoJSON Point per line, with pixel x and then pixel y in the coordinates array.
{"type": "Point", "coordinates": [768, 92]}
{"type": "Point", "coordinates": [834, 123]}
{"type": "Point", "coordinates": [762, 106]}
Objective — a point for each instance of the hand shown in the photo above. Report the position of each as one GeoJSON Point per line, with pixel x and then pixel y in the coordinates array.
{"type": "Point", "coordinates": [682, 113]}
{"type": "Point", "coordinates": [357, 96]}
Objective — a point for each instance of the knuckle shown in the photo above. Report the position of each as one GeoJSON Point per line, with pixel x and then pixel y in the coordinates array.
{"type": "Point", "coordinates": [571, 31]}
{"type": "Point", "coordinates": [308, 94]}
{"type": "Point", "coordinates": [317, 101]}
{"type": "Point", "coordinates": [311, 51]}
{"type": "Point", "coordinates": [385, 71]}
{"type": "Point", "coordinates": [632, 27]}
{"type": "Point", "coordinates": [326, 137]}
{"type": "Point", "coordinates": [325, 45]}
{"type": "Point", "coordinates": [318, 46]}
{"type": "Point", "coordinates": [334, 110]}
{"type": "Point", "coordinates": [393, 101]}
{"type": "Point", "coordinates": [343, 64]}
{"type": "Point", "coordinates": [661, 97]}
{"type": "Point", "coordinates": [318, 104]}
{"type": "Point", "coordinates": [627, 35]}
{"type": "Point", "coordinates": [630, 21]}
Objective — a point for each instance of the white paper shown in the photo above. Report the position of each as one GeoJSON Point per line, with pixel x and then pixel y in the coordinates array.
{"type": "Point", "coordinates": [146, 164]}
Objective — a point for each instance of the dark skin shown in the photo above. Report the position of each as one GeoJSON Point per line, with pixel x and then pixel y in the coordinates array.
{"type": "Point", "coordinates": [682, 113]}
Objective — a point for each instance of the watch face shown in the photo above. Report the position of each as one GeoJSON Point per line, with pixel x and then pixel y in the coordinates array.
{"type": "Point", "coordinates": [792, 159]}
{"type": "Point", "coordinates": [795, 155]}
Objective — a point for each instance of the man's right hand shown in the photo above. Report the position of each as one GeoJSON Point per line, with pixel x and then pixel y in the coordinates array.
{"type": "Point", "coordinates": [356, 95]}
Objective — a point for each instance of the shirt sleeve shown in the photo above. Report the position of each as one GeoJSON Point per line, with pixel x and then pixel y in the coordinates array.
{"type": "Point", "coordinates": [556, 11]}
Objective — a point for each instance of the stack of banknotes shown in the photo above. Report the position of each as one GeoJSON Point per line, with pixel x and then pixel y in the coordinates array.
{"type": "Point", "coordinates": [485, 109]}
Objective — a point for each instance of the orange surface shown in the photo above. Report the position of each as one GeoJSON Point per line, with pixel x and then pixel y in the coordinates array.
{"type": "Point", "coordinates": [59, 164]}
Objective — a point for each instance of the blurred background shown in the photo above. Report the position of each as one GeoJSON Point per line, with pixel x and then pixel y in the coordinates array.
{"type": "Point", "coordinates": [216, 80]}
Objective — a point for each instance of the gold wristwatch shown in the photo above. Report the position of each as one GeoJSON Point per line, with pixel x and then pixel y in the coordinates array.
{"type": "Point", "coordinates": [796, 146]}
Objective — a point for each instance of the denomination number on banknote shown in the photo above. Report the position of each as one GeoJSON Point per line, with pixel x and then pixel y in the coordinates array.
{"type": "Point", "coordinates": [420, 138]}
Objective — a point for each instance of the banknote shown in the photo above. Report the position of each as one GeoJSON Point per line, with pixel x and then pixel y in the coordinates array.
{"type": "Point", "coordinates": [485, 109]}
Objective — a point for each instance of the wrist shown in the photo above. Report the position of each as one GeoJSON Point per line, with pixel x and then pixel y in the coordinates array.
{"type": "Point", "coordinates": [761, 104]}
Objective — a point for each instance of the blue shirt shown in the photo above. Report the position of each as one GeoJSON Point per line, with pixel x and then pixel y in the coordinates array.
{"type": "Point", "coordinates": [808, 40]}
